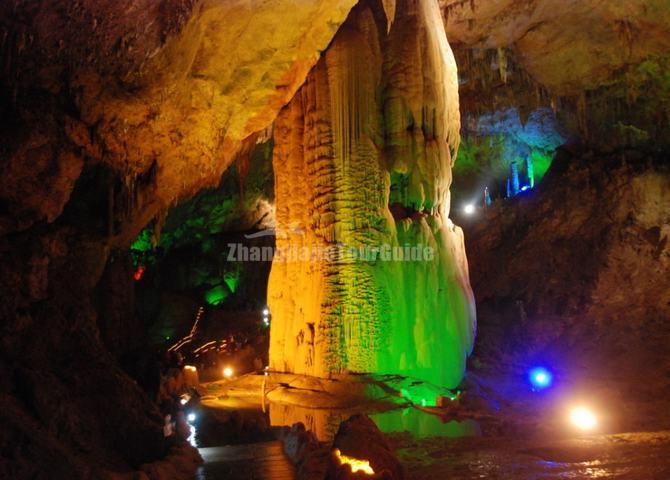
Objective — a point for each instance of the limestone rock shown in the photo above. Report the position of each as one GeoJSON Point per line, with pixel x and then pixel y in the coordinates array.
{"type": "Point", "coordinates": [360, 438]}
{"type": "Point", "coordinates": [567, 46]}
{"type": "Point", "coordinates": [374, 128]}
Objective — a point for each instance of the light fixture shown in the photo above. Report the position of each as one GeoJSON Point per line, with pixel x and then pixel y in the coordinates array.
{"type": "Point", "coordinates": [583, 418]}
{"type": "Point", "coordinates": [266, 312]}
{"type": "Point", "coordinates": [540, 378]}
{"type": "Point", "coordinates": [227, 372]}
{"type": "Point", "coordinates": [355, 464]}
{"type": "Point", "coordinates": [469, 209]}
{"type": "Point", "coordinates": [191, 417]}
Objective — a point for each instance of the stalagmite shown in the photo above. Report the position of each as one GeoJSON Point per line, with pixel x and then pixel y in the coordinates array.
{"type": "Point", "coordinates": [374, 130]}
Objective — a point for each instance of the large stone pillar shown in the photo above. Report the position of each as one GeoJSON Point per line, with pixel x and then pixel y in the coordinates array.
{"type": "Point", "coordinates": [363, 156]}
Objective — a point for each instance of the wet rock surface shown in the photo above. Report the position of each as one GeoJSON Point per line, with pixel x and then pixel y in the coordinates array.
{"type": "Point", "coordinates": [360, 438]}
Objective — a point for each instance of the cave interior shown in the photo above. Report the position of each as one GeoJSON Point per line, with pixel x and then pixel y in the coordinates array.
{"type": "Point", "coordinates": [393, 239]}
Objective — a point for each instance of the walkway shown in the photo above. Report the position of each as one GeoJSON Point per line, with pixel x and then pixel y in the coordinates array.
{"type": "Point", "coordinates": [257, 461]}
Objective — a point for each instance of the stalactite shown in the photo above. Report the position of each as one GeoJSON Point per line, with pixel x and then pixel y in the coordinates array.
{"type": "Point", "coordinates": [502, 64]}
{"type": "Point", "coordinates": [582, 115]}
{"type": "Point", "coordinates": [389, 10]}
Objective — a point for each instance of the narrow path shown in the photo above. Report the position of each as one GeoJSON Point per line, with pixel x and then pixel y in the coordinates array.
{"type": "Point", "coordinates": [256, 461]}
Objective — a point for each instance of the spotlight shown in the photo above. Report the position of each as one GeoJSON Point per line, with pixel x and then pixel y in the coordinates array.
{"type": "Point", "coordinates": [227, 372]}
{"type": "Point", "coordinates": [191, 417]}
{"type": "Point", "coordinates": [540, 378]}
{"type": "Point", "coordinates": [266, 312]}
{"type": "Point", "coordinates": [583, 418]}
{"type": "Point", "coordinates": [469, 209]}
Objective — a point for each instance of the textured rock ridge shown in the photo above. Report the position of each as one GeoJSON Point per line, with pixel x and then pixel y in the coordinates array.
{"type": "Point", "coordinates": [374, 130]}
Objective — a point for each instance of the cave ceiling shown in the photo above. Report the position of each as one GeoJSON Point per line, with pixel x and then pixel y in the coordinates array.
{"type": "Point", "coordinates": [165, 93]}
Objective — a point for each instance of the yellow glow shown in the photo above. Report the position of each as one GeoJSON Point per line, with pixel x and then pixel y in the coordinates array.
{"type": "Point", "coordinates": [227, 372]}
{"type": "Point", "coordinates": [355, 464]}
{"type": "Point", "coordinates": [190, 368]}
{"type": "Point", "coordinates": [583, 418]}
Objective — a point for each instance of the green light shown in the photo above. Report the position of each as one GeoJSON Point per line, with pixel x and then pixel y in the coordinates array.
{"type": "Point", "coordinates": [541, 163]}
{"type": "Point", "coordinates": [216, 295]}
{"type": "Point", "coordinates": [143, 241]}
{"type": "Point", "coordinates": [232, 279]}
{"type": "Point", "coordinates": [423, 425]}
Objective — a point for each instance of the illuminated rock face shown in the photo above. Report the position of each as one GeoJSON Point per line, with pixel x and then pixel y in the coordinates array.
{"type": "Point", "coordinates": [374, 130]}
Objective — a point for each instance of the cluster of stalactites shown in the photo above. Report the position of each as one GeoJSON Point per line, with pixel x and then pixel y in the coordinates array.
{"type": "Point", "coordinates": [382, 103]}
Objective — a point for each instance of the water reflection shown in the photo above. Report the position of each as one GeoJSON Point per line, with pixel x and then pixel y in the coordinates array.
{"type": "Point", "coordinates": [423, 425]}
{"type": "Point", "coordinates": [325, 422]}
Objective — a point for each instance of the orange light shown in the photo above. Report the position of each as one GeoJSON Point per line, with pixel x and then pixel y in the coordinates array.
{"type": "Point", "coordinates": [227, 372]}
{"type": "Point", "coordinates": [139, 272]}
{"type": "Point", "coordinates": [355, 464]}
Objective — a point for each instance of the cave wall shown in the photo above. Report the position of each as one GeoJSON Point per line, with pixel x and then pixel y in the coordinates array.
{"type": "Point", "coordinates": [583, 286]}
{"type": "Point", "coordinates": [378, 108]}
{"type": "Point", "coordinates": [110, 112]}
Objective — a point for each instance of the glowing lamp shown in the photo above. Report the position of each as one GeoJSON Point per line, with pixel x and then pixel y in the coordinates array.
{"type": "Point", "coordinates": [139, 272]}
{"type": "Point", "coordinates": [583, 418]}
{"type": "Point", "coordinates": [355, 464]}
{"type": "Point", "coordinates": [227, 372]}
{"type": "Point", "coordinates": [191, 417]}
{"type": "Point", "coordinates": [266, 312]}
{"type": "Point", "coordinates": [469, 209]}
{"type": "Point", "coordinates": [540, 378]}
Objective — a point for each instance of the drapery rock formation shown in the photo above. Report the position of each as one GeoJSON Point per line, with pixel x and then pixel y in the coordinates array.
{"type": "Point", "coordinates": [363, 156]}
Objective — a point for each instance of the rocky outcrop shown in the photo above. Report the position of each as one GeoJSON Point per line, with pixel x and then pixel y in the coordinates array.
{"type": "Point", "coordinates": [362, 158]}
{"type": "Point", "coordinates": [359, 450]}
{"type": "Point", "coordinates": [360, 438]}
{"type": "Point", "coordinates": [600, 67]}
{"type": "Point", "coordinates": [158, 91]}
{"type": "Point", "coordinates": [569, 46]}
{"type": "Point", "coordinates": [574, 275]}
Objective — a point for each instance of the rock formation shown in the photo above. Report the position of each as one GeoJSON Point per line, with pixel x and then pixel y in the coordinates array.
{"type": "Point", "coordinates": [363, 156]}
{"type": "Point", "coordinates": [109, 113]}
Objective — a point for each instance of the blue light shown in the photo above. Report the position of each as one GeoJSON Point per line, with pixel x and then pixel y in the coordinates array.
{"type": "Point", "coordinates": [524, 188]}
{"type": "Point", "coordinates": [540, 378]}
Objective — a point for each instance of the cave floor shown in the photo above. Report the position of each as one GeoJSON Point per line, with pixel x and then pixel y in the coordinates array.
{"type": "Point", "coordinates": [257, 461]}
{"type": "Point", "coordinates": [642, 455]}
{"type": "Point", "coordinates": [503, 431]}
